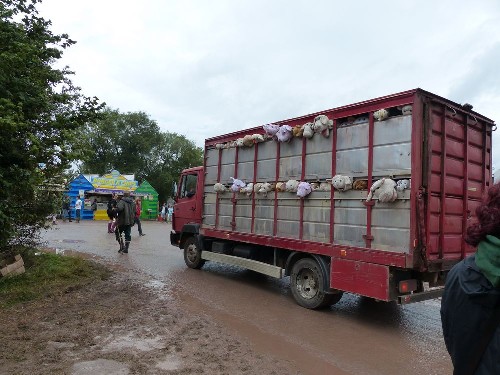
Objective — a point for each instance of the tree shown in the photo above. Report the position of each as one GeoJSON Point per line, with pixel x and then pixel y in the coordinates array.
{"type": "Point", "coordinates": [40, 113]}
{"type": "Point", "coordinates": [133, 143]}
{"type": "Point", "coordinates": [121, 141]}
{"type": "Point", "coordinates": [174, 154]}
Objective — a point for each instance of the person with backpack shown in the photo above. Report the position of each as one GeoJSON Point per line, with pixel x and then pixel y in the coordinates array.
{"type": "Point", "coordinates": [125, 208]}
{"type": "Point", "coordinates": [470, 306]}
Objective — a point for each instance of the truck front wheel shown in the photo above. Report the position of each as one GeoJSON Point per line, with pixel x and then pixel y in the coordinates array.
{"type": "Point", "coordinates": [306, 282]}
{"type": "Point", "coordinates": [192, 254]}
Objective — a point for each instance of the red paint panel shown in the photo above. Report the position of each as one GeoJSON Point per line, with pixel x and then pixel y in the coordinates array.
{"type": "Point", "coordinates": [454, 149]}
{"type": "Point", "coordinates": [366, 279]}
{"type": "Point", "coordinates": [436, 144]}
{"type": "Point", "coordinates": [454, 206]}
{"type": "Point", "coordinates": [475, 172]}
{"type": "Point", "coordinates": [452, 224]}
{"type": "Point", "coordinates": [475, 189]}
{"type": "Point", "coordinates": [435, 204]}
{"type": "Point", "coordinates": [454, 186]}
{"type": "Point", "coordinates": [475, 154]}
{"type": "Point", "coordinates": [454, 130]}
{"type": "Point", "coordinates": [455, 168]}
{"type": "Point", "coordinates": [475, 137]}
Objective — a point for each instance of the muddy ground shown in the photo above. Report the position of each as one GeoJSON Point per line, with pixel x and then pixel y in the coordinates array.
{"type": "Point", "coordinates": [127, 324]}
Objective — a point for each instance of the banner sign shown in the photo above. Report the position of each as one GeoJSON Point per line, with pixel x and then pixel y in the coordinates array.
{"type": "Point", "coordinates": [113, 181]}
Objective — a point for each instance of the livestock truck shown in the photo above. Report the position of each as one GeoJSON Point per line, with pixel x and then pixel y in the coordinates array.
{"type": "Point", "coordinates": [428, 157]}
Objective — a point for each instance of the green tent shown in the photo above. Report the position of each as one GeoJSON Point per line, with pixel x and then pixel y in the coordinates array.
{"type": "Point", "coordinates": [149, 199]}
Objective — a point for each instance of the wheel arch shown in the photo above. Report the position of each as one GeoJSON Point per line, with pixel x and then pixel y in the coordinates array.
{"type": "Point", "coordinates": [324, 265]}
{"type": "Point", "coordinates": [190, 230]}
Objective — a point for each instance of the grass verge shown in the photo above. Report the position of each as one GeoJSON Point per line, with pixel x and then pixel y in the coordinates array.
{"type": "Point", "coordinates": [48, 275]}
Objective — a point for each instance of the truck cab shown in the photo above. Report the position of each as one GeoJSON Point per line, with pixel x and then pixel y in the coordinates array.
{"type": "Point", "coordinates": [188, 202]}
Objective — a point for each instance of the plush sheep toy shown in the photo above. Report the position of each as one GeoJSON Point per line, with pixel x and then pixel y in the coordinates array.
{"type": "Point", "coordinates": [265, 188]}
{"type": "Point", "coordinates": [402, 185]}
{"type": "Point", "coordinates": [237, 185]}
{"type": "Point", "coordinates": [271, 129]}
{"type": "Point", "coordinates": [291, 186]}
{"type": "Point", "coordinates": [284, 134]}
{"type": "Point", "coordinates": [248, 189]}
{"type": "Point", "coordinates": [248, 140]}
{"type": "Point", "coordinates": [219, 188]}
{"type": "Point", "coordinates": [258, 138]}
{"type": "Point", "coordinates": [322, 124]}
{"type": "Point", "coordinates": [386, 190]}
{"type": "Point", "coordinates": [341, 182]}
{"type": "Point", "coordinates": [381, 114]}
{"type": "Point", "coordinates": [307, 130]}
{"type": "Point", "coordinates": [280, 186]}
{"type": "Point", "coordinates": [303, 189]}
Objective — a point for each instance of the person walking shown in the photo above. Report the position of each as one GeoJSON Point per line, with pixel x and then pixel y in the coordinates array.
{"type": "Point", "coordinates": [111, 213]}
{"type": "Point", "coordinates": [163, 211]}
{"type": "Point", "coordinates": [125, 208]}
{"type": "Point", "coordinates": [78, 209]}
{"type": "Point", "coordinates": [470, 306]}
{"type": "Point", "coordinates": [137, 218]}
{"type": "Point", "coordinates": [66, 212]}
{"type": "Point", "coordinates": [170, 212]}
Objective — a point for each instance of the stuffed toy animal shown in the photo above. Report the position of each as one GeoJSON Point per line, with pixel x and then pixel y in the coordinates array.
{"type": "Point", "coordinates": [220, 146]}
{"type": "Point", "coordinates": [381, 114]}
{"type": "Point", "coordinates": [271, 129]}
{"type": "Point", "coordinates": [291, 186]}
{"type": "Point", "coordinates": [322, 124]}
{"type": "Point", "coordinates": [256, 187]}
{"type": "Point", "coordinates": [248, 189]}
{"type": "Point", "coordinates": [407, 109]}
{"type": "Point", "coordinates": [360, 185]}
{"type": "Point", "coordinates": [219, 188]}
{"type": "Point", "coordinates": [386, 190]}
{"type": "Point", "coordinates": [280, 186]}
{"type": "Point", "coordinates": [303, 189]}
{"type": "Point", "coordinates": [248, 140]}
{"type": "Point", "coordinates": [314, 186]}
{"type": "Point", "coordinates": [239, 142]}
{"type": "Point", "coordinates": [360, 120]}
{"type": "Point", "coordinates": [265, 188]}
{"type": "Point", "coordinates": [258, 138]}
{"type": "Point", "coordinates": [341, 182]}
{"type": "Point", "coordinates": [297, 131]}
{"type": "Point", "coordinates": [284, 134]}
{"type": "Point", "coordinates": [402, 185]}
{"type": "Point", "coordinates": [307, 131]}
{"type": "Point", "coordinates": [237, 185]}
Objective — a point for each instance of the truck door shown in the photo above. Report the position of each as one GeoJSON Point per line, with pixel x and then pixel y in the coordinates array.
{"type": "Point", "coordinates": [187, 209]}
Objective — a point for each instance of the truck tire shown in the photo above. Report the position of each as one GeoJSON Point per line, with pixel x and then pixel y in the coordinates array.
{"type": "Point", "coordinates": [192, 254]}
{"type": "Point", "coordinates": [306, 281]}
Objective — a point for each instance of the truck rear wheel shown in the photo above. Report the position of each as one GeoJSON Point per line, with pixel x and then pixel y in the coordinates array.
{"type": "Point", "coordinates": [306, 281]}
{"type": "Point", "coordinates": [192, 254]}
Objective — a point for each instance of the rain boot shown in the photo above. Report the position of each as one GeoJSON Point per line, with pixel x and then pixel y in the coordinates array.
{"type": "Point", "coordinates": [122, 248]}
{"type": "Point", "coordinates": [127, 243]}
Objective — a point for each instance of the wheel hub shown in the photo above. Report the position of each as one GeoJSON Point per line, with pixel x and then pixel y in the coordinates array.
{"type": "Point", "coordinates": [307, 284]}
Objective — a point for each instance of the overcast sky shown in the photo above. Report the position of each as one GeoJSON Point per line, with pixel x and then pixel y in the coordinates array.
{"type": "Point", "coordinates": [204, 68]}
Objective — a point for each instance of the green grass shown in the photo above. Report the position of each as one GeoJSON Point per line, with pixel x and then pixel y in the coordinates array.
{"type": "Point", "coordinates": [48, 275]}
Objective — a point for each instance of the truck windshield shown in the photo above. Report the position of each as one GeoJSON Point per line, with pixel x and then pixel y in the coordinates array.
{"type": "Point", "coordinates": [188, 185]}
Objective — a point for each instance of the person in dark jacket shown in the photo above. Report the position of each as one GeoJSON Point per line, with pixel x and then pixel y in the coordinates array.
{"type": "Point", "coordinates": [471, 298]}
{"type": "Point", "coordinates": [111, 213]}
{"type": "Point", "coordinates": [125, 208]}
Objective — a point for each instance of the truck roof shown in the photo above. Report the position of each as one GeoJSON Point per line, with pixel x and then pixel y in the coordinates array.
{"type": "Point", "coordinates": [356, 109]}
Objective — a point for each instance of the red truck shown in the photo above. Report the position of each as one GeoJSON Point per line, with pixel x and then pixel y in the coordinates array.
{"type": "Point", "coordinates": [389, 186]}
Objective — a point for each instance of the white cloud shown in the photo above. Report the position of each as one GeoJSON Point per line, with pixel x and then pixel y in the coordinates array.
{"type": "Point", "coordinates": [202, 68]}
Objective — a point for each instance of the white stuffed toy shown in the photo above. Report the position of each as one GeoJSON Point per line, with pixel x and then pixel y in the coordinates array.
{"type": "Point", "coordinates": [324, 186]}
{"type": "Point", "coordinates": [381, 114]}
{"type": "Point", "coordinates": [265, 188]}
{"type": "Point", "coordinates": [248, 140]}
{"type": "Point", "coordinates": [258, 138]}
{"type": "Point", "coordinates": [219, 146]}
{"type": "Point", "coordinates": [239, 142]}
{"type": "Point", "coordinates": [341, 182]}
{"type": "Point", "coordinates": [248, 189]}
{"type": "Point", "coordinates": [308, 131]}
{"type": "Point", "coordinates": [237, 185]}
{"type": "Point", "coordinates": [303, 189]}
{"type": "Point", "coordinates": [257, 186]}
{"type": "Point", "coordinates": [291, 186]}
{"type": "Point", "coordinates": [402, 185]}
{"type": "Point", "coordinates": [219, 188]}
{"type": "Point", "coordinates": [322, 124]}
{"type": "Point", "coordinates": [407, 109]}
{"type": "Point", "coordinates": [271, 129]}
{"type": "Point", "coordinates": [284, 134]}
{"type": "Point", "coordinates": [386, 189]}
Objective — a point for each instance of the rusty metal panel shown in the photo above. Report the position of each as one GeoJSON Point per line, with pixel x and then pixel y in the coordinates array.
{"type": "Point", "coordinates": [264, 216]}
{"type": "Point", "coordinates": [350, 222]}
{"type": "Point", "coordinates": [245, 171]}
{"type": "Point", "coordinates": [288, 217]}
{"type": "Point", "coordinates": [392, 146]}
{"type": "Point", "coordinates": [209, 207]}
{"type": "Point", "coordinates": [226, 172]}
{"type": "Point", "coordinates": [212, 157]}
{"type": "Point", "coordinates": [228, 156]}
{"type": "Point", "coordinates": [266, 170]}
{"type": "Point", "coordinates": [319, 165]}
{"type": "Point", "coordinates": [317, 217]}
{"type": "Point", "coordinates": [291, 160]}
{"type": "Point", "coordinates": [352, 150]}
{"type": "Point", "coordinates": [211, 175]}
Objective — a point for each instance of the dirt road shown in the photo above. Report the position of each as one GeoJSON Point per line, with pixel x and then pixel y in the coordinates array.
{"type": "Point", "coordinates": [227, 320]}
